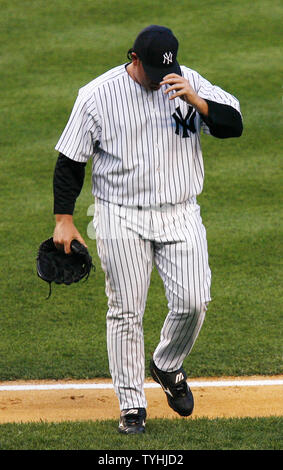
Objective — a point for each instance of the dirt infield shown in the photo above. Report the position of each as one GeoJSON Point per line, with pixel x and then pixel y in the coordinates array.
{"type": "Point", "coordinates": [93, 404]}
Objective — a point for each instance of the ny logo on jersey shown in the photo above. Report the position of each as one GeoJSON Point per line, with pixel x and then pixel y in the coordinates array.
{"type": "Point", "coordinates": [167, 58]}
{"type": "Point", "coordinates": [187, 123]}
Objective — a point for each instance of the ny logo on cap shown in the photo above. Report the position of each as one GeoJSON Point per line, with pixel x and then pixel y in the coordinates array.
{"type": "Point", "coordinates": [167, 58]}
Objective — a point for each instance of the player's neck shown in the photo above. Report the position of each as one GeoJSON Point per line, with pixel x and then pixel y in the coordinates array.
{"type": "Point", "coordinates": [130, 70]}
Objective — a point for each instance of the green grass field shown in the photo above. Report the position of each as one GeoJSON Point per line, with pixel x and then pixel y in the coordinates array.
{"type": "Point", "coordinates": [162, 434]}
{"type": "Point", "coordinates": [48, 51]}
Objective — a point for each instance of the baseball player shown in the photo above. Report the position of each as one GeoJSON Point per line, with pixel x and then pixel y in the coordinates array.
{"type": "Point", "coordinates": [140, 122]}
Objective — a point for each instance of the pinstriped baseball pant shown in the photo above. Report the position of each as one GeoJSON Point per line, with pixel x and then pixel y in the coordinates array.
{"type": "Point", "coordinates": [130, 241]}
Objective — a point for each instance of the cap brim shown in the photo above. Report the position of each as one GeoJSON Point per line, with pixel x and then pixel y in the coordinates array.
{"type": "Point", "coordinates": [156, 74]}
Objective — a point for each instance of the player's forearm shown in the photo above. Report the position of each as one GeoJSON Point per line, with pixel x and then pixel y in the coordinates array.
{"type": "Point", "coordinates": [63, 218]}
{"type": "Point", "coordinates": [67, 184]}
{"type": "Point", "coordinates": [199, 104]}
{"type": "Point", "coordinates": [223, 120]}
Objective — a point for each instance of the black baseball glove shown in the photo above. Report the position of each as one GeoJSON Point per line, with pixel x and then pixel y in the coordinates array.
{"type": "Point", "coordinates": [54, 265]}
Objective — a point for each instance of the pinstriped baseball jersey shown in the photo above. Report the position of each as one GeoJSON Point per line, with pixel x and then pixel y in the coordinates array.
{"type": "Point", "coordinates": [147, 172]}
{"type": "Point", "coordinates": [136, 137]}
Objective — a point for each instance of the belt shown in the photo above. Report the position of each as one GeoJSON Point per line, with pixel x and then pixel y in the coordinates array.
{"type": "Point", "coordinates": [158, 206]}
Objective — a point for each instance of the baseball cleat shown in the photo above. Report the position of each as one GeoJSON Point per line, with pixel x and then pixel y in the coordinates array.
{"type": "Point", "coordinates": [132, 421]}
{"type": "Point", "coordinates": [178, 392]}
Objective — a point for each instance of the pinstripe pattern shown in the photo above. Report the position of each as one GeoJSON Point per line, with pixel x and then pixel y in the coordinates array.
{"type": "Point", "coordinates": [130, 242]}
{"type": "Point", "coordinates": [130, 134]}
{"type": "Point", "coordinates": [145, 179]}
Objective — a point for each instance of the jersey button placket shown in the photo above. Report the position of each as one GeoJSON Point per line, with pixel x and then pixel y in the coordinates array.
{"type": "Point", "coordinates": [155, 120]}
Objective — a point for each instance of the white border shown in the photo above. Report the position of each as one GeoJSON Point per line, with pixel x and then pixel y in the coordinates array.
{"type": "Point", "coordinates": [104, 386]}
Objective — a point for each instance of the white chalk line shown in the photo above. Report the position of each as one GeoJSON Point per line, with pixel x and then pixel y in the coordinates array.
{"type": "Point", "coordinates": [105, 386]}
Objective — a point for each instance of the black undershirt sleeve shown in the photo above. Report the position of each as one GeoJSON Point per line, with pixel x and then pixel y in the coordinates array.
{"type": "Point", "coordinates": [223, 120]}
{"type": "Point", "coordinates": [68, 181]}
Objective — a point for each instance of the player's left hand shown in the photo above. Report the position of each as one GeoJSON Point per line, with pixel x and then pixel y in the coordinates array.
{"type": "Point", "coordinates": [182, 89]}
{"type": "Point", "coordinates": [180, 85]}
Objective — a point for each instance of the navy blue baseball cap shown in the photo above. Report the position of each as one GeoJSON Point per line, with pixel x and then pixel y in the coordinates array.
{"type": "Point", "coordinates": [157, 48]}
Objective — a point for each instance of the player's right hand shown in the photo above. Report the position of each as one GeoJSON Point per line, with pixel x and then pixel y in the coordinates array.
{"type": "Point", "coordinates": [65, 231]}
